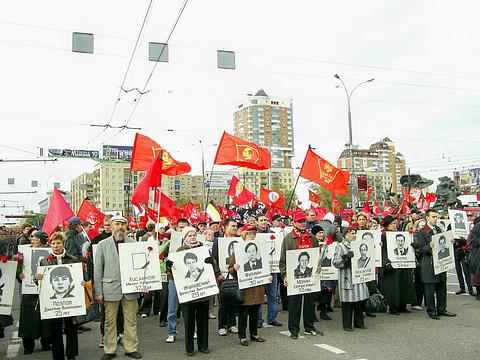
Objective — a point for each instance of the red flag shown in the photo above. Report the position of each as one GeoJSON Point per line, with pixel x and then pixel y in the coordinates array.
{"type": "Point", "coordinates": [335, 204]}
{"type": "Point", "coordinates": [191, 212]}
{"type": "Point", "coordinates": [168, 207]}
{"type": "Point", "coordinates": [406, 196]}
{"type": "Point", "coordinates": [233, 150]}
{"type": "Point", "coordinates": [320, 171]}
{"type": "Point", "coordinates": [430, 197]}
{"type": "Point", "coordinates": [366, 208]}
{"type": "Point", "coordinates": [151, 178]}
{"type": "Point", "coordinates": [369, 192]}
{"type": "Point", "coordinates": [376, 208]}
{"type": "Point", "coordinates": [271, 197]}
{"type": "Point", "coordinates": [319, 211]}
{"type": "Point", "coordinates": [58, 211]}
{"type": "Point", "coordinates": [88, 212]}
{"type": "Point", "coordinates": [240, 194]}
{"type": "Point", "coordinates": [314, 197]}
{"type": "Point", "coordinates": [145, 150]}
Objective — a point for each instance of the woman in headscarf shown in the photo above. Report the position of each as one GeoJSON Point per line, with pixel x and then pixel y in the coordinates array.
{"type": "Point", "coordinates": [30, 326]}
{"type": "Point", "coordinates": [352, 296]}
{"type": "Point", "coordinates": [253, 297]}
{"type": "Point", "coordinates": [397, 284]}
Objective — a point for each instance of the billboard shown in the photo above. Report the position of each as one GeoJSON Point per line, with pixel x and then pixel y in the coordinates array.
{"type": "Point", "coordinates": [114, 152]}
{"type": "Point", "coordinates": [219, 180]}
{"type": "Point", "coordinates": [69, 153]}
{"type": "Point", "coordinates": [468, 179]}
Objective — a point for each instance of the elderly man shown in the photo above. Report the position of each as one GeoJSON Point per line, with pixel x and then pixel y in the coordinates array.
{"type": "Point", "coordinates": [108, 290]}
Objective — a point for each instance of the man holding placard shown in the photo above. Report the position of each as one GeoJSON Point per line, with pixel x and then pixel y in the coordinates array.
{"type": "Point", "coordinates": [108, 290]}
{"type": "Point", "coordinates": [434, 284]}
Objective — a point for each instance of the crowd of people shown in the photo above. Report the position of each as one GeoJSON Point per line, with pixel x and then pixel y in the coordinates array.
{"type": "Point", "coordinates": [403, 289]}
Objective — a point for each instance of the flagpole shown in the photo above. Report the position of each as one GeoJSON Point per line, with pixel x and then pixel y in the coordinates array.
{"type": "Point", "coordinates": [159, 195]}
{"type": "Point", "coordinates": [208, 191]}
{"type": "Point", "coordinates": [296, 182]}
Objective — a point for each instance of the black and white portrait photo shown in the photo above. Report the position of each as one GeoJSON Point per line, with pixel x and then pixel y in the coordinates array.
{"type": "Point", "coordinates": [364, 259]}
{"type": "Point", "coordinates": [372, 237]}
{"type": "Point", "coordinates": [194, 271]}
{"type": "Point", "coordinates": [303, 271]}
{"type": "Point", "coordinates": [254, 260]}
{"type": "Point", "coordinates": [458, 222]}
{"type": "Point", "coordinates": [273, 244]}
{"type": "Point", "coordinates": [194, 279]}
{"type": "Point", "coordinates": [225, 251]}
{"type": "Point", "coordinates": [61, 282]}
{"type": "Point", "coordinates": [8, 271]}
{"type": "Point", "coordinates": [328, 271]}
{"type": "Point", "coordinates": [442, 252]}
{"type": "Point", "coordinates": [32, 258]}
{"type": "Point", "coordinates": [363, 263]}
{"type": "Point", "coordinates": [61, 293]}
{"type": "Point", "coordinates": [400, 249]}
{"type": "Point", "coordinates": [230, 251]}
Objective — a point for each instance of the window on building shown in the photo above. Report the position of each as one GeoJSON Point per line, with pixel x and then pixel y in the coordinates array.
{"type": "Point", "coordinates": [82, 43]}
{"type": "Point", "coordinates": [158, 52]}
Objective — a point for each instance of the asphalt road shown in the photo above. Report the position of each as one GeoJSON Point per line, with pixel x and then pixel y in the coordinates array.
{"type": "Point", "coordinates": [408, 336]}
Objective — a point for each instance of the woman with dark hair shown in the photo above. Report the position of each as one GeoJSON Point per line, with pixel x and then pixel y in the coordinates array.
{"type": "Point", "coordinates": [68, 324]}
{"type": "Point", "coordinates": [30, 326]}
{"type": "Point", "coordinates": [474, 257]}
{"type": "Point", "coordinates": [252, 299]}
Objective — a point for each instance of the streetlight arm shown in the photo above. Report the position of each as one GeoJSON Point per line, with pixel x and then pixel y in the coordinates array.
{"type": "Point", "coordinates": [355, 88]}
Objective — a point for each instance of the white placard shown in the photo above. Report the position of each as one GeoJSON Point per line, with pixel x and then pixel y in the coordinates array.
{"type": "Point", "coordinates": [399, 249]}
{"type": "Point", "coordinates": [175, 241]}
{"type": "Point", "coordinates": [194, 279]}
{"type": "Point", "coordinates": [284, 230]}
{"type": "Point", "coordinates": [301, 271]}
{"type": "Point", "coordinates": [8, 271]}
{"type": "Point", "coordinates": [139, 266]}
{"type": "Point", "coordinates": [328, 272]}
{"type": "Point", "coordinates": [376, 237]}
{"type": "Point", "coordinates": [94, 249]}
{"type": "Point", "coordinates": [442, 252]}
{"type": "Point", "coordinates": [31, 261]}
{"type": "Point", "coordinates": [458, 220]}
{"type": "Point", "coordinates": [254, 266]}
{"type": "Point", "coordinates": [273, 244]}
{"type": "Point", "coordinates": [61, 293]}
{"type": "Point", "coordinates": [225, 251]}
{"type": "Point", "coordinates": [363, 261]}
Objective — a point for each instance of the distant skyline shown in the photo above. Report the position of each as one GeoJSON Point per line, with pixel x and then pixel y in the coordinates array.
{"type": "Point", "coordinates": [425, 95]}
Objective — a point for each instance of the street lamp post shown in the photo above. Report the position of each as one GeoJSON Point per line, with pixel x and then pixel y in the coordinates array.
{"type": "Point", "coordinates": [203, 168]}
{"type": "Point", "coordinates": [350, 138]}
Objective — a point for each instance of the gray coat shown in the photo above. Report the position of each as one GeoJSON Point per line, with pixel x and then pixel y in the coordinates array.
{"type": "Point", "coordinates": [107, 271]}
{"type": "Point", "coordinates": [348, 291]}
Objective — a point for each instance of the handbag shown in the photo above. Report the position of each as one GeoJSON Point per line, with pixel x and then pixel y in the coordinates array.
{"type": "Point", "coordinates": [93, 308]}
{"type": "Point", "coordinates": [230, 293]}
{"type": "Point", "coordinates": [89, 300]}
{"type": "Point", "coordinates": [376, 303]}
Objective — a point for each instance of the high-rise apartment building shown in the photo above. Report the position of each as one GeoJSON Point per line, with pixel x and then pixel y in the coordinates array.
{"type": "Point", "coordinates": [380, 162]}
{"type": "Point", "coordinates": [267, 121]}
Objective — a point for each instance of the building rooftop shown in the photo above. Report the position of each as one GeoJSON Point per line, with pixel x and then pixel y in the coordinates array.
{"type": "Point", "coordinates": [261, 92]}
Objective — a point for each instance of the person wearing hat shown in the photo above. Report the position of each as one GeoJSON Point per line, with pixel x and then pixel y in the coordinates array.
{"type": "Point", "coordinates": [353, 296]}
{"type": "Point", "coordinates": [254, 296]}
{"type": "Point", "coordinates": [195, 312]}
{"type": "Point", "coordinates": [108, 290]}
{"type": "Point", "coordinates": [327, 287]}
{"type": "Point", "coordinates": [30, 325]}
{"type": "Point", "coordinates": [413, 217]}
{"type": "Point", "coordinates": [75, 238]}
{"type": "Point", "coordinates": [277, 221]}
{"type": "Point", "coordinates": [299, 238]}
{"type": "Point", "coordinates": [150, 231]}
{"type": "Point", "coordinates": [397, 284]}
{"type": "Point", "coordinates": [435, 285]}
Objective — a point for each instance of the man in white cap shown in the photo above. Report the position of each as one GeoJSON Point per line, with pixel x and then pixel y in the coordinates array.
{"type": "Point", "coordinates": [108, 290]}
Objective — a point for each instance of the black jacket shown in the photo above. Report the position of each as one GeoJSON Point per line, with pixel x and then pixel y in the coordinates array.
{"type": "Point", "coordinates": [424, 238]}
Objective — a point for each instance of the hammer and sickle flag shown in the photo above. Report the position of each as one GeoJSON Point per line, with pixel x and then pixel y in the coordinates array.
{"type": "Point", "coordinates": [239, 193]}
{"type": "Point", "coordinates": [145, 150]}
{"type": "Point", "coordinates": [235, 151]}
{"type": "Point", "coordinates": [271, 198]}
{"type": "Point", "coordinates": [321, 172]}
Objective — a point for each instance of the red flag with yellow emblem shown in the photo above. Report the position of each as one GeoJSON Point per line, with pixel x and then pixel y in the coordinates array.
{"type": "Point", "coordinates": [235, 151]}
{"type": "Point", "coordinates": [323, 173]}
{"type": "Point", "coordinates": [239, 193]}
{"type": "Point", "coordinates": [145, 150]}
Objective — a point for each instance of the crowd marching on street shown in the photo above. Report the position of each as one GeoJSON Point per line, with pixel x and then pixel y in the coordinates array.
{"type": "Point", "coordinates": [402, 290]}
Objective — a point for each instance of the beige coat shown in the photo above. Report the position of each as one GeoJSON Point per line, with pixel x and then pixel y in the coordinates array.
{"type": "Point", "coordinates": [254, 295]}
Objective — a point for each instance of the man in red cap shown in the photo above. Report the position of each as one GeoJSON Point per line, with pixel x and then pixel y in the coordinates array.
{"type": "Point", "coordinates": [299, 238]}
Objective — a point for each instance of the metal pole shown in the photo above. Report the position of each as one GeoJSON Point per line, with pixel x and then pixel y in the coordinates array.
{"type": "Point", "coordinates": [203, 173]}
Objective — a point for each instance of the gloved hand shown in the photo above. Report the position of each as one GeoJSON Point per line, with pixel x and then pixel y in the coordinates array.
{"type": "Point", "coordinates": [169, 264]}
{"type": "Point", "coordinates": [209, 260]}
{"type": "Point", "coordinates": [388, 266]}
{"type": "Point", "coordinates": [347, 257]}
{"type": "Point", "coordinates": [349, 254]}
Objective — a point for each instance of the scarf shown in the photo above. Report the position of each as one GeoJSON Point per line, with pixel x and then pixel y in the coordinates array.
{"type": "Point", "coordinates": [303, 241]}
{"type": "Point", "coordinates": [191, 246]}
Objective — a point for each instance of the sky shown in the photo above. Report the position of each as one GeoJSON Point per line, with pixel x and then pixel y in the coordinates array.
{"type": "Point", "coordinates": [423, 56]}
